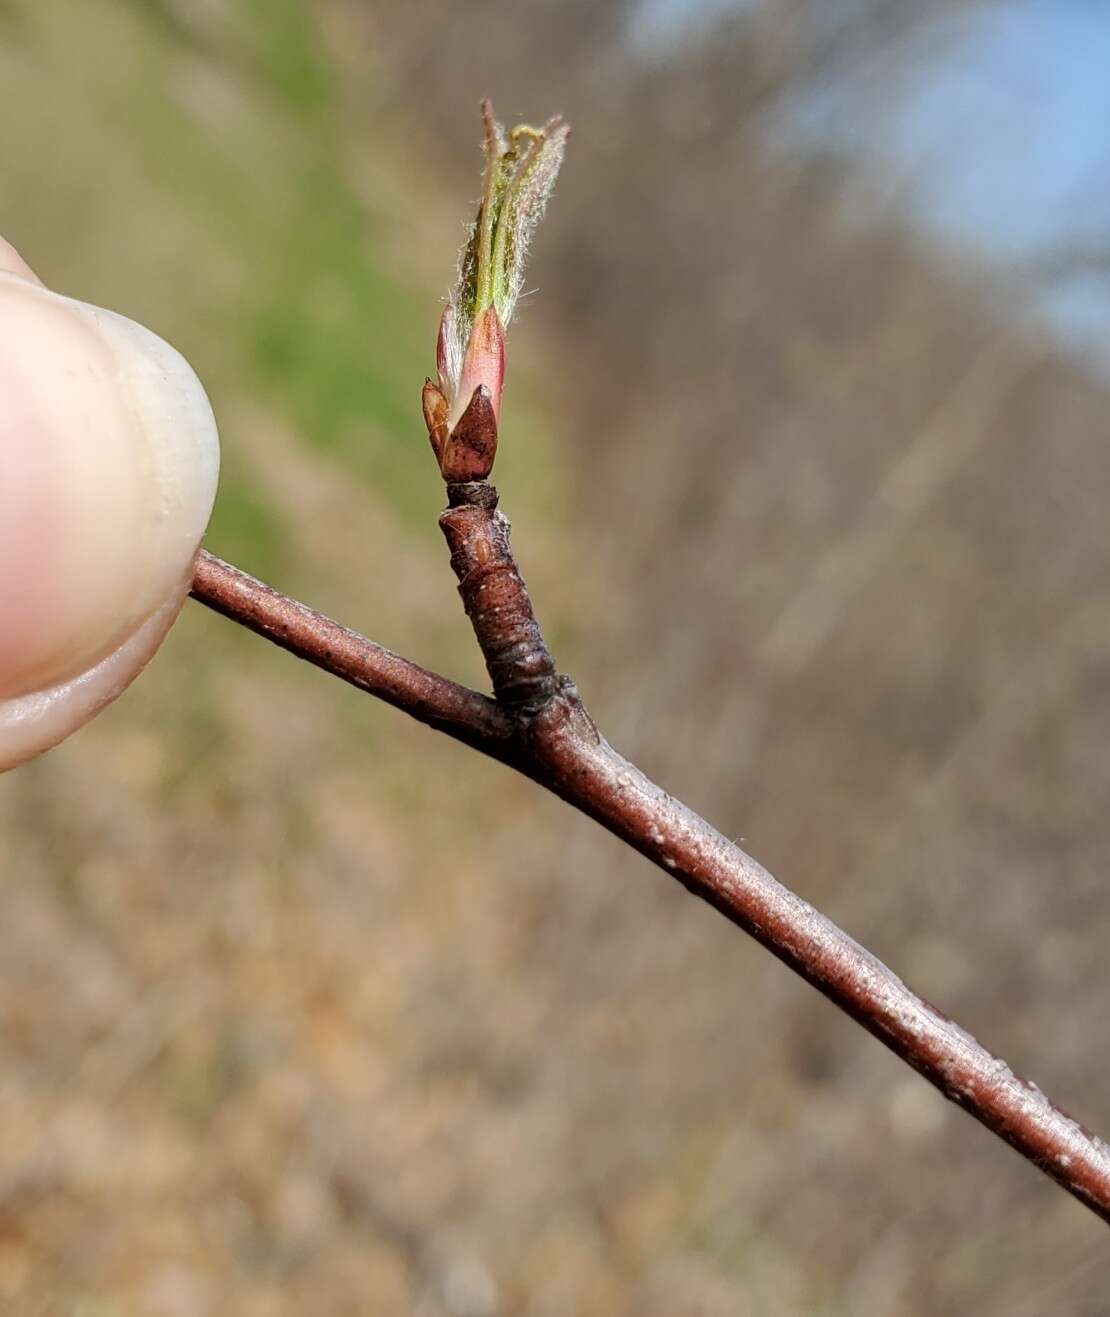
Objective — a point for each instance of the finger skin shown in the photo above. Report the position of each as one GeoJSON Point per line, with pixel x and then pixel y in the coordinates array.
{"type": "Point", "coordinates": [109, 459]}
{"type": "Point", "coordinates": [30, 724]}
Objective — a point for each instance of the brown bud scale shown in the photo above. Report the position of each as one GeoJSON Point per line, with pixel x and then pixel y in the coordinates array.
{"type": "Point", "coordinates": [471, 448]}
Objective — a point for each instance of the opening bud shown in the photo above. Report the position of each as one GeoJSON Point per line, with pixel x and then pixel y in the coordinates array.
{"type": "Point", "coordinates": [520, 172]}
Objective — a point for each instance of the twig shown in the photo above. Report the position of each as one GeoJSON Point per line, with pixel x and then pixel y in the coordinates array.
{"type": "Point", "coordinates": [556, 744]}
{"type": "Point", "coordinates": [538, 724]}
{"type": "Point", "coordinates": [431, 699]}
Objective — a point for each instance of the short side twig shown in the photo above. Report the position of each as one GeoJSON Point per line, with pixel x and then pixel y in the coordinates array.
{"type": "Point", "coordinates": [495, 598]}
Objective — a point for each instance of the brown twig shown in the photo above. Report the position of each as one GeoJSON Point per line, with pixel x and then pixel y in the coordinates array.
{"type": "Point", "coordinates": [431, 699]}
{"type": "Point", "coordinates": [495, 598]}
{"type": "Point", "coordinates": [542, 729]}
{"type": "Point", "coordinates": [538, 725]}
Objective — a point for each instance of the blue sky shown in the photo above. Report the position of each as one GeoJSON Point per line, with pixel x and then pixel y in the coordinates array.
{"type": "Point", "coordinates": [1001, 143]}
{"type": "Point", "coordinates": [1012, 134]}
{"type": "Point", "coordinates": [660, 17]}
{"type": "Point", "coordinates": [1023, 106]}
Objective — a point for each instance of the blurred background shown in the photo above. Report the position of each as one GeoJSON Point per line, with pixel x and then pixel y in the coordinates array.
{"type": "Point", "coordinates": [306, 1010]}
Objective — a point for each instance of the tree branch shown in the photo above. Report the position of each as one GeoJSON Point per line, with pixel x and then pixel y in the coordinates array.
{"type": "Point", "coordinates": [538, 725]}
{"type": "Point", "coordinates": [552, 740]}
{"type": "Point", "coordinates": [427, 697]}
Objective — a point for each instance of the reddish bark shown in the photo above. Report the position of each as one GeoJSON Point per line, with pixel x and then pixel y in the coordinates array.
{"type": "Point", "coordinates": [540, 727]}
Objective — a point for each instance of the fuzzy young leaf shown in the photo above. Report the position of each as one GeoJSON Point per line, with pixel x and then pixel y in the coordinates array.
{"type": "Point", "coordinates": [520, 172]}
{"type": "Point", "coordinates": [536, 169]}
